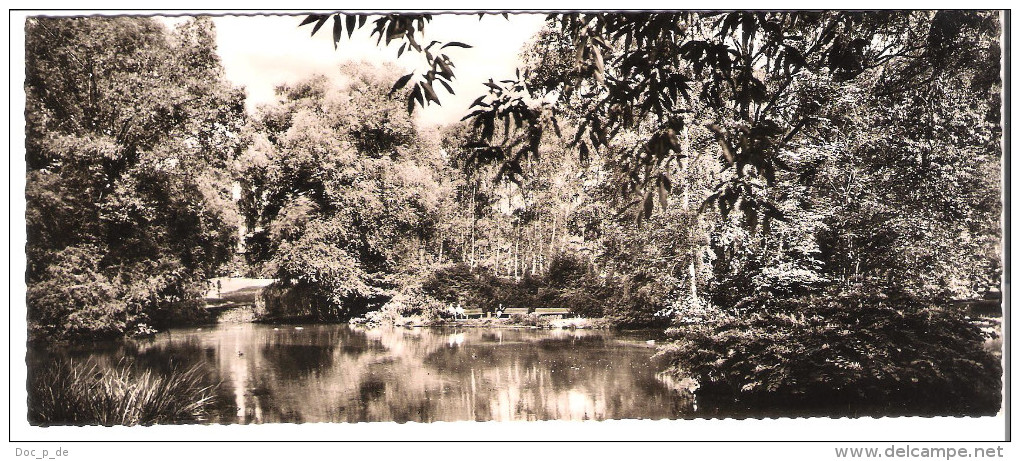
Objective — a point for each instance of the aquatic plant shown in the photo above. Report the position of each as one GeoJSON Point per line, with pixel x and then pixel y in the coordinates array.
{"type": "Point", "coordinates": [89, 393]}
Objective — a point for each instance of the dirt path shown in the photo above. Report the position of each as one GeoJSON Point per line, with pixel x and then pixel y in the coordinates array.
{"type": "Point", "coordinates": [233, 298]}
{"type": "Point", "coordinates": [221, 287]}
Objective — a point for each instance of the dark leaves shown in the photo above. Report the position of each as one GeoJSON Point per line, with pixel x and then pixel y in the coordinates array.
{"type": "Point", "coordinates": [401, 82]}
{"type": "Point", "coordinates": [310, 19]}
{"type": "Point", "coordinates": [319, 23]}
{"type": "Point", "coordinates": [338, 30]}
{"type": "Point", "coordinates": [663, 187]}
{"type": "Point", "coordinates": [406, 28]}
{"type": "Point", "coordinates": [722, 137]}
{"type": "Point", "coordinates": [642, 71]}
{"type": "Point", "coordinates": [430, 94]}
{"type": "Point", "coordinates": [351, 24]}
{"type": "Point", "coordinates": [646, 208]}
{"type": "Point", "coordinates": [480, 101]}
{"type": "Point", "coordinates": [414, 95]}
{"type": "Point", "coordinates": [445, 85]}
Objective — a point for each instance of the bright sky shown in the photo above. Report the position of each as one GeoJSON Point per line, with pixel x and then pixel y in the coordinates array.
{"type": "Point", "coordinates": [260, 52]}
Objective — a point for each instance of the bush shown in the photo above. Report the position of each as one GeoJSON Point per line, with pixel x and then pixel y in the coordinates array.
{"type": "Point", "coordinates": [471, 288]}
{"type": "Point", "coordinates": [576, 286]}
{"type": "Point", "coordinates": [633, 301]}
{"type": "Point", "coordinates": [321, 280]}
{"type": "Point", "coordinates": [636, 301]}
{"type": "Point", "coordinates": [278, 302]}
{"type": "Point", "coordinates": [863, 354]}
{"type": "Point", "coordinates": [85, 393]}
{"type": "Point", "coordinates": [410, 306]}
{"type": "Point", "coordinates": [529, 320]}
{"type": "Point", "coordinates": [306, 302]}
{"type": "Point", "coordinates": [74, 298]}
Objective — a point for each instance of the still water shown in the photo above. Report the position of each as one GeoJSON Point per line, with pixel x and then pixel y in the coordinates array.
{"type": "Point", "coordinates": [338, 373]}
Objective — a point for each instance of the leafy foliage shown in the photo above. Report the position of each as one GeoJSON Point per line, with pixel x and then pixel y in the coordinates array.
{"type": "Point", "coordinates": [569, 283]}
{"type": "Point", "coordinates": [130, 128]}
{"type": "Point", "coordinates": [411, 306]}
{"type": "Point", "coordinates": [653, 71]}
{"type": "Point", "coordinates": [339, 192]}
{"type": "Point", "coordinates": [799, 191]}
{"type": "Point", "coordinates": [74, 297]}
{"type": "Point", "coordinates": [849, 190]}
{"type": "Point", "coordinates": [408, 28]}
{"type": "Point", "coordinates": [873, 353]}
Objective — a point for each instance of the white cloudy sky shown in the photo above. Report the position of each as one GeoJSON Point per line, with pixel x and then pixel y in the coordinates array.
{"type": "Point", "coordinates": [260, 52]}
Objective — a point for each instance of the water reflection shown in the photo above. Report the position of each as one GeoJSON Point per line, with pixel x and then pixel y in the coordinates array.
{"type": "Point", "coordinates": [319, 373]}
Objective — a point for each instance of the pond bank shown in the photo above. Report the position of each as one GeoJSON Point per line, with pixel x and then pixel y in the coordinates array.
{"type": "Point", "coordinates": [522, 321]}
{"type": "Point", "coordinates": [247, 313]}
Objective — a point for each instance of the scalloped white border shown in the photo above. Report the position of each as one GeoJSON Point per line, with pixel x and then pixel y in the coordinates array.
{"type": "Point", "coordinates": [933, 429]}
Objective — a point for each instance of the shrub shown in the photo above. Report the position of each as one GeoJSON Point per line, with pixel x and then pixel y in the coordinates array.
{"type": "Point", "coordinates": [74, 298]}
{"type": "Point", "coordinates": [636, 301]}
{"type": "Point", "coordinates": [413, 301]}
{"type": "Point", "coordinates": [529, 320]}
{"type": "Point", "coordinates": [633, 301]}
{"type": "Point", "coordinates": [866, 354]}
{"type": "Point", "coordinates": [276, 302]}
{"type": "Point", "coordinates": [449, 283]}
{"type": "Point", "coordinates": [162, 293]}
{"type": "Point", "coordinates": [306, 302]}
{"type": "Point", "coordinates": [568, 269]}
{"type": "Point", "coordinates": [85, 393]}
{"type": "Point", "coordinates": [575, 285]}
{"type": "Point", "coordinates": [410, 306]}
{"type": "Point", "coordinates": [471, 288]}
{"type": "Point", "coordinates": [322, 274]}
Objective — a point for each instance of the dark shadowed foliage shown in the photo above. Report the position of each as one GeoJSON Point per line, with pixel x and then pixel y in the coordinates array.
{"type": "Point", "coordinates": [871, 354]}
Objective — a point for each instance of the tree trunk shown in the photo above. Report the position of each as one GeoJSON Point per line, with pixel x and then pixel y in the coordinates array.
{"type": "Point", "coordinates": [496, 265]}
{"type": "Point", "coordinates": [693, 276]}
{"type": "Point", "coordinates": [441, 248]}
{"type": "Point", "coordinates": [517, 252]}
{"type": "Point", "coordinates": [474, 220]}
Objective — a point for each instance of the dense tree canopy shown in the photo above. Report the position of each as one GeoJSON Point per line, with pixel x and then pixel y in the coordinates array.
{"type": "Point", "coordinates": [340, 192]}
{"type": "Point", "coordinates": [130, 132]}
{"type": "Point", "coordinates": [738, 74]}
{"type": "Point", "coordinates": [771, 94]}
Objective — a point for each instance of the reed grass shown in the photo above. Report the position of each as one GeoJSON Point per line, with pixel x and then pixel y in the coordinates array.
{"type": "Point", "coordinates": [87, 393]}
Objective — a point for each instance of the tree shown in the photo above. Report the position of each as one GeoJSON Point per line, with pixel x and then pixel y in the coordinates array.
{"type": "Point", "coordinates": [647, 94]}
{"type": "Point", "coordinates": [129, 129]}
{"type": "Point", "coordinates": [340, 192]}
{"type": "Point", "coordinates": [655, 71]}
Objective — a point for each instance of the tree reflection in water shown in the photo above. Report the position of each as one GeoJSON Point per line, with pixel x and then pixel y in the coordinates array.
{"type": "Point", "coordinates": [335, 373]}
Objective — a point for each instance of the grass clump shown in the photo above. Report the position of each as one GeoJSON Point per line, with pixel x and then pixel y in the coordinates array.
{"type": "Point", "coordinates": [87, 393]}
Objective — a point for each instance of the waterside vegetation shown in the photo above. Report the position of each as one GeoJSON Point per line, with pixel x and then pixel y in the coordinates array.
{"type": "Point", "coordinates": [87, 393]}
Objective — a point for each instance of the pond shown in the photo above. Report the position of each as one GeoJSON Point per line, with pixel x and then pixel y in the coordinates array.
{"type": "Point", "coordinates": [337, 373]}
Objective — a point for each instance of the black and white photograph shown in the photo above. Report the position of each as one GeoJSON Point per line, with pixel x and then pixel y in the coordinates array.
{"type": "Point", "coordinates": [353, 217]}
